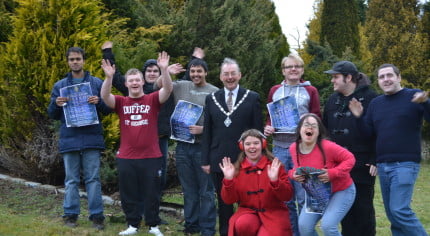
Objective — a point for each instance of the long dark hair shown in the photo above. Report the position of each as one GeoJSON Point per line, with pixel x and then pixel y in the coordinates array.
{"type": "Point", "coordinates": [322, 135]}
{"type": "Point", "coordinates": [257, 134]}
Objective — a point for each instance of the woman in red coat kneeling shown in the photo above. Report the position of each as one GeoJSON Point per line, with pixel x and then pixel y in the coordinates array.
{"type": "Point", "coordinates": [259, 183]}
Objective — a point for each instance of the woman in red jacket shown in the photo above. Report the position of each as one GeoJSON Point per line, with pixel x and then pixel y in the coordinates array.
{"type": "Point", "coordinates": [259, 183]}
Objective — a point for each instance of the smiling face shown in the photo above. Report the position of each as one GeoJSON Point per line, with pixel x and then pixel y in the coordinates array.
{"type": "Point", "coordinates": [198, 75]}
{"type": "Point", "coordinates": [339, 82]}
{"type": "Point", "coordinates": [309, 131]}
{"type": "Point", "coordinates": [230, 76]}
{"type": "Point", "coordinates": [152, 73]}
{"type": "Point", "coordinates": [134, 82]}
{"type": "Point", "coordinates": [252, 148]}
{"type": "Point", "coordinates": [293, 71]}
{"type": "Point", "coordinates": [389, 81]}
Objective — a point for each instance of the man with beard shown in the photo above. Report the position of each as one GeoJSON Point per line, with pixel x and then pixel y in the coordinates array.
{"type": "Point", "coordinates": [197, 186]}
{"type": "Point", "coordinates": [348, 83]}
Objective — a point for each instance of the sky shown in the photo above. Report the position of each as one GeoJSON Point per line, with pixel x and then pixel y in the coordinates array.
{"type": "Point", "coordinates": [293, 17]}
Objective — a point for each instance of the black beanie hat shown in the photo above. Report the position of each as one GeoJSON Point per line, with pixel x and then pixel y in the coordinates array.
{"type": "Point", "coordinates": [149, 62]}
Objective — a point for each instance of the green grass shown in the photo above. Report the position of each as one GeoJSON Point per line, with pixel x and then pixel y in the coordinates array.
{"type": "Point", "coordinates": [27, 211]}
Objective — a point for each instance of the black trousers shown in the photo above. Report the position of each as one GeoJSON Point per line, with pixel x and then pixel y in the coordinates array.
{"type": "Point", "coordinates": [360, 220]}
{"type": "Point", "coordinates": [224, 211]}
{"type": "Point", "coordinates": [139, 181]}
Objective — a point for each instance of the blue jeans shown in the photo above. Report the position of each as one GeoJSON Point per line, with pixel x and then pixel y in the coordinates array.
{"type": "Point", "coordinates": [199, 193]}
{"type": "Point", "coordinates": [397, 180]}
{"type": "Point", "coordinates": [339, 204]}
{"type": "Point", "coordinates": [296, 204]}
{"type": "Point", "coordinates": [89, 160]}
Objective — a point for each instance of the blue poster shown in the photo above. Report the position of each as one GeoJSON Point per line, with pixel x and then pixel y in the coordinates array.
{"type": "Point", "coordinates": [284, 115]}
{"type": "Point", "coordinates": [318, 193]}
{"type": "Point", "coordinates": [77, 111]}
{"type": "Point", "coordinates": [184, 115]}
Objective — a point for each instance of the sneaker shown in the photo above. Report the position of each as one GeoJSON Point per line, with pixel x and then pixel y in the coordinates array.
{"type": "Point", "coordinates": [70, 221]}
{"type": "Point", "coordinates": [131, 230]}
{"type": "Point", "coordinates": [155, 231]}
{"type": "Point", "coordinates": [98, 223]}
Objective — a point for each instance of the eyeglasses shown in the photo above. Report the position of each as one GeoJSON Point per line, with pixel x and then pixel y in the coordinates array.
{"type": "Point", "coordinates": [309, 125]}
{"type": "Point", "coordinates": [293, 66]}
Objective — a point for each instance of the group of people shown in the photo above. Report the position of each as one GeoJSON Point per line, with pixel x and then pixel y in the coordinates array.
{"type": "Point", "coordinates": [323, 166]}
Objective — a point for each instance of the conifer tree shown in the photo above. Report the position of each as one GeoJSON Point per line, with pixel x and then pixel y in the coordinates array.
{"type": "Point", "coordinates": [314, 30]}
{"type": "Point", "coordinates": [395, 36]}
{"type": "Point", "coordinates": [6, 10]}
{"type": "Point", "coordinates": [247, 31]}
{"type": "Point", "coordinates": [31, 62]}
{"type": "Point", "coordinates": [339, 26]}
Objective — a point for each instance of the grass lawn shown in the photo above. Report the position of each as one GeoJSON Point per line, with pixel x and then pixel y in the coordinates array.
{"type": "Point", "coordinates": [27, 211]}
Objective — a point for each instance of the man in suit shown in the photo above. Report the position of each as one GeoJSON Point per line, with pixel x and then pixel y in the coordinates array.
{"type": "Point", "coordinates": [228, 113]}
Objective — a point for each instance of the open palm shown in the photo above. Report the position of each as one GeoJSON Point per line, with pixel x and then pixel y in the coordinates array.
{"type": "Point", "coordinates": [227, 168]}
{"type": "Point", "coordinates": [273, 170]}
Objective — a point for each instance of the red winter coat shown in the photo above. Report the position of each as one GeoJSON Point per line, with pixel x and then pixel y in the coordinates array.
{"type": "Point", "coordinates": [256, 194]}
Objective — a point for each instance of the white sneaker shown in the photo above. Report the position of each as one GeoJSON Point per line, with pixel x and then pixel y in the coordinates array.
{"type": "Point", "coordinates": [131, 230]}
{"type": "Point", "coordinates": [155, 231]}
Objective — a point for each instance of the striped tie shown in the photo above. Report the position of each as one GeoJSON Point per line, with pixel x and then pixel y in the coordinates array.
{"type": "Point", "coordinates": [230, 101]}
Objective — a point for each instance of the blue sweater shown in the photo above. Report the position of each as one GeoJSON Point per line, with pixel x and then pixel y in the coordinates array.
{"type": "Point", "coordinates": [395, 121]}
{"type": "Point", "coordinates": [78, 138]}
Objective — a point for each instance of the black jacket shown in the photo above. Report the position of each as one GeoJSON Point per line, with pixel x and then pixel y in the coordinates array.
{"type": "Point", "coordinates": [342, 129]}
{"type": "Point", "coordinates": [220, 141]}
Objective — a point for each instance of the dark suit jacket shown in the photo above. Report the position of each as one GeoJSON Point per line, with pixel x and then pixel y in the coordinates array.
{"type": "Point", "coordinates": [220, 141]}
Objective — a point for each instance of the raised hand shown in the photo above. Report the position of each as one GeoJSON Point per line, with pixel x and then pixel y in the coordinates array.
{"type": "Point", "coordinates": [163, 60]}
{"type": "Point", "coordinates": [175, 69]}
{"type": "Point", "coordinates": [107, 44]}
{"type": "Point", "coordinates": [199, 53]}
{"type": "Point", "coordinates": [108, 68]}
{"type": "Point", "coordinates": [420, 97]}
{"type": "Point", "coordinates": [273, 170]}
{"type": "Point", "coordinates": [227, 168]}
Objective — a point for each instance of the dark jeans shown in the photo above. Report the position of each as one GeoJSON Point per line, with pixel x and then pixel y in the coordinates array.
{"type": "Point", "coordinates": [360, 220]}
{"type": "Point", "coordinates": [199, 193]}
{"type": "Point", "coordinates": [224, 211]}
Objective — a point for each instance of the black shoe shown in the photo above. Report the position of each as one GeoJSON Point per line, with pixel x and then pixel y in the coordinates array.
{"type": "Point", "coordinates": [98, 223]}
{"type": "Point", "coordinates": [70, 221]}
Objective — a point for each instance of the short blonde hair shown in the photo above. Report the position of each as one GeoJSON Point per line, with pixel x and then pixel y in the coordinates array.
{"type": "Point", "coordinates": [133, 71]}
{"type": "Point", "coordinates": [294, 57]}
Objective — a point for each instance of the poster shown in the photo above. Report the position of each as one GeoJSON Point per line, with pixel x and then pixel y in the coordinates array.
{"type": "Point", "coordinates": [284, 115]}
{"type": "Point", "coordinates": [184, 115]}
{"type": "Point", "coordinates": [77, 111]}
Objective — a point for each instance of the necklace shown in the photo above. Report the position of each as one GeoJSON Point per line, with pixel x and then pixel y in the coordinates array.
{"type": "Point", "coordinates": [227, 121]}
